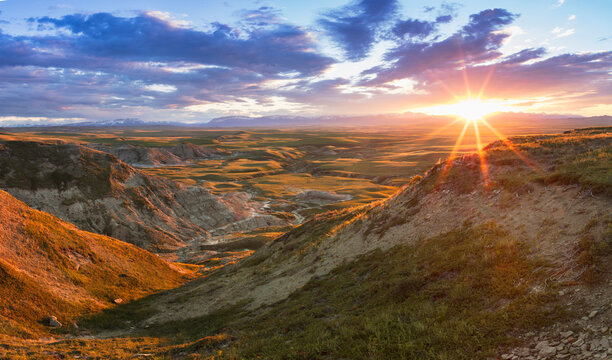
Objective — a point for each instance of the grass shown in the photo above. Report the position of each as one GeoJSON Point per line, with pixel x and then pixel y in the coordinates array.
{"type": "Point", "coordinates": [582, 157]}
{"type": "Point", "coordinates": [52, 268]}
{"type": "Point", "coordinates": [459, 295]}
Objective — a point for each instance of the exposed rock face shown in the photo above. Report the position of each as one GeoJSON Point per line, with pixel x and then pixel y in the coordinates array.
{"type": "Point", "coordinates": [99, 193]}
{"type": "Point", "coordinates": [146, 156]}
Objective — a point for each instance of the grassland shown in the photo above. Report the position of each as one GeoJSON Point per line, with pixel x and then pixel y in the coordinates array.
{"type": "Point", "coordinates": [458, 295]}
{"type": "Point", "coordinates": [276, 165]}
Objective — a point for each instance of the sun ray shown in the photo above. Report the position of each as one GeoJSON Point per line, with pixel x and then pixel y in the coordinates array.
{"type": "Point", "coordinates": [440, 129]}
{"type": "Point", "coordinates": [481, 154]}
{"type": "Point", "coordinates": [486, 82]}
{"type": "Point", "coordinates": [451, 157]}
{"type": "Point", "coordinates": [511, 146]}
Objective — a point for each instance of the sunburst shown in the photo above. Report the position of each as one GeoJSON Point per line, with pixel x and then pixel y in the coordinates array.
{"type": "Point", "coordinates": [474, 112]}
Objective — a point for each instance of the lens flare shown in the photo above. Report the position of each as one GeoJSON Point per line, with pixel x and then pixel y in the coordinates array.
{"type": "Point", "coordinates": [470, 110]}
{"type": "Point", "coordinates": [474, 112]}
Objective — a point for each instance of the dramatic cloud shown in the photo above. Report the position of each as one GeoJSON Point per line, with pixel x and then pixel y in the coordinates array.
{"type": "Point", "coordinates": [283, 48]}
{"type": "Point", "coordinates": [153, 66]}
{"type": "Point", "coordinates": [477, 41]}
{"type": "Point", "coordinates": [150, 60]}
{"type": "Point", "coordinates": [354, 27]}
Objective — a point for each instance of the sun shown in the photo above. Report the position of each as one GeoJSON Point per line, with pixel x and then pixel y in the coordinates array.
{"type": "Point", "coordinates": [472, 110]}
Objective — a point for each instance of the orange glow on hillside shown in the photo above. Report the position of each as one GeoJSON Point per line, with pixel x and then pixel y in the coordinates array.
{"type": "Point", "coordinates": [474, 111]}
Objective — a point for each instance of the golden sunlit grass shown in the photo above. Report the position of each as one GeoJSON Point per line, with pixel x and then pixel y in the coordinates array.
{"type": "Point", "coordinates": [49, 267]}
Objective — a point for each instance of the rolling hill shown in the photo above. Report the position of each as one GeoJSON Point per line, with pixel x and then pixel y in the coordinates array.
{"type": "Point", "coordinates": [509, 260]}
{"type": "Point", "coordinates": [99, 193]}
{"type": "Point", "coordinates": [50, 268]}
{"type": "Point", "coordinates": [455, 265]}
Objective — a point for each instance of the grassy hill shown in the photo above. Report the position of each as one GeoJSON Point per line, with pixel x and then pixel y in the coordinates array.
{"type": "Point", "coordinates": [465, 262]}
{"type": "Point", "coordinates": [50, 268]}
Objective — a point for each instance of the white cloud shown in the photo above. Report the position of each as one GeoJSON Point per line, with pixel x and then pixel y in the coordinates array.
{"type": "Point", "coordinates": [567, 32]}
{"type": "Point", "coordinates": [560, 2]}
{"type": "Point", "coordinates": [249, 107]}
{"type": "Point", "coordinates": [167, 17]}
{"type": "Point", "coordinates": [561, 32]}
{"type": "Point", "coordinates": [161, 88]}
{"type": "Point", "coordinates": [572, 17]}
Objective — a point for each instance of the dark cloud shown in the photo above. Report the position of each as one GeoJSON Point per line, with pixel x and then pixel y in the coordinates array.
{"type": "Point", "coordinates": [477, 41]}
{"type": "Point", "coordinates": [282, 48]}
{"type": "Point", "coordinates": [414, 28]}
{"type": "Point", "coordinates": [443, 19]}
{"type": "Point", "coordinates": [525, 55]}
{"type": "Point", "coordinates": [354, 27]}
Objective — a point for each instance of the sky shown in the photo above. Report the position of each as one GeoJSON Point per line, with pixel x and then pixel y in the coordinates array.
{"type": "Point", "coordinates": [192, 61]}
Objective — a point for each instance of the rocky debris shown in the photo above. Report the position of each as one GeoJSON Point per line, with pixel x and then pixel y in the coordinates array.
{"type": "Point", "coordinates": [52, 321]}
{"type": "Point", "coordinates": [581, 346]}
{"type": "Point", "coordinates": [592, 342]}
{"type": "Point", "coordinates": [118, 301]}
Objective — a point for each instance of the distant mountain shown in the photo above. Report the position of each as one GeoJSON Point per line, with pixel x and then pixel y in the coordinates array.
{"type": "Point", "coordinates": [280, 121]}
{"type": "Point", "coordinates": [291, 121]}
{"type": "Point", "coordinates": [129, 122]}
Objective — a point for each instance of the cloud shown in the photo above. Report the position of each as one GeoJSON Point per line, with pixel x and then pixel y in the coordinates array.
{"type": "Point", "coordinates": [100, 62]}
{"type": "Point", "coordinates": [560, 32]}
{"type": "Point", "coordinates": [164, 88]}
{"type": "Point", "coordinates": [524, 56]}
{"type": "Point", "coordinates": [153, 66]}
{"type": "Point", "coordinates": [354, 27]}
{"type": "Point", "coordinates": [571, 17]}
{"type": "Point", "coordinates": [477, 41]}
{"type": "Point", "coordinates": [560, 3]}
{"type": "Point", "coordinates": [436, 70]}
{"type": "Point", "coordinates": [282, 48]}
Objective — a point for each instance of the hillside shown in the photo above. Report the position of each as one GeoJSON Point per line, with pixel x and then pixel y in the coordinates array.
{"type": "Point", "coordinates": [99, 193]}
{"type": "Point", "coordinates": [180, 154]}
{"type": "Point", "coordinates": [513, 262]}
{"type": "Point", "coordinates": [450, 267]}
{"type": "Point", "coordinates": [50, 268]}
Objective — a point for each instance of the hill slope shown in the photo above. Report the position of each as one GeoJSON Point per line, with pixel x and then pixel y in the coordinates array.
{"type": "Point", "coordinates": [460, 264]}
{"type": "Point", "coordinates": [455, 265]}
{"type": "Point", "coordinates": [50, 268]}
{"type": "Point", "coordinates": [99, 193]}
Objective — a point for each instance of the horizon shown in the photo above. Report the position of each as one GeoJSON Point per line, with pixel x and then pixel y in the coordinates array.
{"type": "Point", "coordinates": [180, 63]}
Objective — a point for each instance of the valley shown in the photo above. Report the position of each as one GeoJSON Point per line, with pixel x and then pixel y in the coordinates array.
{"type": "Point", "coordinates": [304, 244]}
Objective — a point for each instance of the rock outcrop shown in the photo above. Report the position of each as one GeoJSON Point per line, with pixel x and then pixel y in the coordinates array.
{"type": "Point", "coordinates": [140, 156]}
{"type": "Point", "coordinates": [99, 193]}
